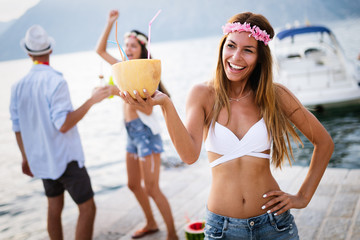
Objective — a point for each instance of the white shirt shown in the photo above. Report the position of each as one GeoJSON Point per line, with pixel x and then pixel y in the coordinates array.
{"type": "Point", "coordinates": [39, 105]}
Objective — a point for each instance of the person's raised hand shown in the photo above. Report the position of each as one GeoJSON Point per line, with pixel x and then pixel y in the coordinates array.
{"type": "Point", "coordinates": [113, 15]}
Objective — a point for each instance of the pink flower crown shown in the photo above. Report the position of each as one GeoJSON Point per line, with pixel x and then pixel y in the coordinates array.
{"type": "Point", "coordinates": [142, 39]}
{"type": "Point", "coordinates": [255, 31]}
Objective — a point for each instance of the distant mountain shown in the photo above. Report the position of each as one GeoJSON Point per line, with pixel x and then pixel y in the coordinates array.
{"type": "Point", "coordinates": [5, 26]}
{"type": "Point", "coordinates": [77, 24]}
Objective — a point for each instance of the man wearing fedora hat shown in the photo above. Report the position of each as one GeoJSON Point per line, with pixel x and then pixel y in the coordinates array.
{"type": "Point", "coordinates": [44, 123]}
{"type": "Point", "coordinates": [37, 42]}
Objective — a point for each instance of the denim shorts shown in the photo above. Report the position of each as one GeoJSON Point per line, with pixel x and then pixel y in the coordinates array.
{"type": "Point", "coordinates": [141, 140]}
{"type": "Point", "coordinates": [75, 180]}
{"type": "Point", "coordinates": [264, 227]}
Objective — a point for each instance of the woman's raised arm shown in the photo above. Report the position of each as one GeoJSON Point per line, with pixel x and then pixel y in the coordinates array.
{"type": "Point", "coordinates": [102, 43]}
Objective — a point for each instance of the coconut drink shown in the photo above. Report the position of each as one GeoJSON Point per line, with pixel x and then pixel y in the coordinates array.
{"type": "Point", "coordinates": [137, 74]}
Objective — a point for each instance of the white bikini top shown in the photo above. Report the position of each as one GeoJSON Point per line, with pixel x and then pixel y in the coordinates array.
{"type": "Point", "coordinates": [222, 141]}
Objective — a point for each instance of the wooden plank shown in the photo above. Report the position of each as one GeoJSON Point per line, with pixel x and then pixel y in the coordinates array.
{"type": "Point", "coordinates": [119, 215]}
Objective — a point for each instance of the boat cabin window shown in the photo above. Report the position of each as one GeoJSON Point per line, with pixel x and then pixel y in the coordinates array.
{"type": "Point", "coordinates": [311, 51]}
{"type": "Point", "coordinates": [295, 55]}
{"type": "Point", "coordinates": [314, 53]}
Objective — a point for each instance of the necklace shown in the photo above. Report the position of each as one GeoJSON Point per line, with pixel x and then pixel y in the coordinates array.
{"type": "Point", "coordinates": [239, 99]}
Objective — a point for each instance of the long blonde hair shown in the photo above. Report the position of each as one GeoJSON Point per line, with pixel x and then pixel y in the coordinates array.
{"type": "Point", "coordinates": [261, 82]}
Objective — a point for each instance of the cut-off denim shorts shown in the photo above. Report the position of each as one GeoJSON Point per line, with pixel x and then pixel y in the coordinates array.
{"type": "Point", "coordinates": [141, 140]}
{"type": "Point", "coordinates": [263, 227]}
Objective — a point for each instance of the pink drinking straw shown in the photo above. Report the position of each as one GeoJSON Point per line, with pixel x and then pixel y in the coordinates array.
{"type": "Point", "coordinates": [150, 31]}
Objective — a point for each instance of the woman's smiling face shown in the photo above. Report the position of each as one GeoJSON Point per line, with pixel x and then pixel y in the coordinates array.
{"type": "Point", "coordinates": [132, 48]}
{"type": "Point", "coordinates": [239, 56]}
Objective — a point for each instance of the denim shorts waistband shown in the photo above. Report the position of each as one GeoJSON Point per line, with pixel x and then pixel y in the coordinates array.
{"type": "Point", "coordinates": [133, 122]}
{"type": "Point", "coordinates": [252, 221]}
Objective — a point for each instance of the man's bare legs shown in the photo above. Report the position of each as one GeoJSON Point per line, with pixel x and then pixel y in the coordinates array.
{"type": "Point", "coordinates": [54, 226]}
{"type": "Point", "coordinates": [85, 224]}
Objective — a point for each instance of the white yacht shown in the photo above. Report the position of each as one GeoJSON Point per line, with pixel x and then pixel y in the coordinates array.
{"type": "Point", "coordinates": [311, 63]}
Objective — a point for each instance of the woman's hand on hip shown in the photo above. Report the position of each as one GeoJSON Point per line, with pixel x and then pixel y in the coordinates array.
{"type": "Point", "coordinates": [281, 202]}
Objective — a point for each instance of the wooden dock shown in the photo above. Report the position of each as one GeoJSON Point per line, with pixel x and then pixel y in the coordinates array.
{"type": "Point", "coordinates": [332, 214]}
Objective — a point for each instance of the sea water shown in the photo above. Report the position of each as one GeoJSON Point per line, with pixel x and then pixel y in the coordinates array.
{"type": "Point", "coordinates": [184, 63]}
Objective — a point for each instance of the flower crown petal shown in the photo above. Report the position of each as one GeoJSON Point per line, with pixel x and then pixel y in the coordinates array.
{"type": "Point", "coordinates": [255, 31]}
{"type": "Point", "coordinates": [142, 39]}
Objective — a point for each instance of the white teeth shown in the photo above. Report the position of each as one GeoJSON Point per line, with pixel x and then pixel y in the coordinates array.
{"type": "Point", "coordinates": [236, 67]}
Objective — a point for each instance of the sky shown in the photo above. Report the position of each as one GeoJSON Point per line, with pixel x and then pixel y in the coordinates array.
{"type": "Point", "coordinates": [13, 9]}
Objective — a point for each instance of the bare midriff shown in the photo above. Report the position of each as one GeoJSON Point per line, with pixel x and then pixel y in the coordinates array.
{"type": "Point", "coordinates": [238, 186]}
{"type": "Point", "coordinates": [130, 113]}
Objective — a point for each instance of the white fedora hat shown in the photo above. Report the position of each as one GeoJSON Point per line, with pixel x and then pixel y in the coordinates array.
{"type": "Point", "coordinates": [37, 42]}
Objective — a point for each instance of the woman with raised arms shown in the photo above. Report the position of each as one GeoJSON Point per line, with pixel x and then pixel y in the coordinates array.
{"type": "Point", "coordinates": [144, 142]}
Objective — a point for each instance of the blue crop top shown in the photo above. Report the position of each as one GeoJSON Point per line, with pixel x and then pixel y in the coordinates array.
{"type": "Point", "coordinates": [222, 141]}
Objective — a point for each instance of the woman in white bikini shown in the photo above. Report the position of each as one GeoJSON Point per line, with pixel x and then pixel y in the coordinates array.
{"type": "Point", "coordinates": [144, 143]}
{"type": "Point", "coordinates": [245, 120]}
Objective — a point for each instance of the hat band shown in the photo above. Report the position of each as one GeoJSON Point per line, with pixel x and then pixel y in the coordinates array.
{"type": "Point", "coordinates": [30, 50]}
